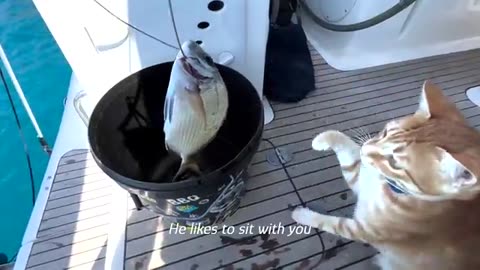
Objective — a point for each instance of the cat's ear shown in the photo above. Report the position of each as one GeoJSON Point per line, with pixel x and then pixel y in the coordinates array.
{"type": "Point", "coordinates": [434, 104]}
{"type": "Point", "coordinates": [461, 169]}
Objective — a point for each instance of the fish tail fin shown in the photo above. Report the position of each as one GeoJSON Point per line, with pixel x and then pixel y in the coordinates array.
{"type": "Point", "coordinates": [186, 167]}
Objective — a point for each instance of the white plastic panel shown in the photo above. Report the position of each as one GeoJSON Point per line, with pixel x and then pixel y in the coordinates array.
{"type": "Point", "coordinates": [103, 28]}
{"type": "Point", "coordinates": [102, 51]}
{"type": "Point", "coordinates": [426, 28]}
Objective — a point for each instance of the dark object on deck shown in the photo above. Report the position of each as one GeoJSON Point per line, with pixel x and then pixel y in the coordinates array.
{"type": "Point", "coordinates": [127, 140]}
{"type": "Point", "coordinates": [8, 266]}
{"type": "Point", "coordinates": [3, 258]}
{"type": "Point", "coordinates": [289, 75]}
{"type": "Point", "coordinates": [5, 264]}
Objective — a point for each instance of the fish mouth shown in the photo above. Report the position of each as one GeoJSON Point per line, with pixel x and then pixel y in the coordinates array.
{"type": "Point", "coordinates": [192, 71]}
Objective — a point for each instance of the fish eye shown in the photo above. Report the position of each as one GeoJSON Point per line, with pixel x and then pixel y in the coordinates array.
{"type": "Point", "coordinates": [209, 60]}
{"type": "Point", "coordinates": [466, 174]}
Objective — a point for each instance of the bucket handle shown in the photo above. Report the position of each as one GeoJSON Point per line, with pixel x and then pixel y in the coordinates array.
{"type": "Point", "coordinates": [77, 104]}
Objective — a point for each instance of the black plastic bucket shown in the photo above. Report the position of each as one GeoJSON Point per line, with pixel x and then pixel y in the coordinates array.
{"type": "Point", "coordinates": [127, 141]}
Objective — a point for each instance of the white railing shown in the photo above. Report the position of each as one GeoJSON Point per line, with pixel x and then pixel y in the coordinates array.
{"type": "Point", "coordinates": [19, 90]}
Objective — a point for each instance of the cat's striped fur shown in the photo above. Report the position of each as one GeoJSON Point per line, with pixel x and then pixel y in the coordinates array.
{"type": "Point", "coordinates": [434, 156]}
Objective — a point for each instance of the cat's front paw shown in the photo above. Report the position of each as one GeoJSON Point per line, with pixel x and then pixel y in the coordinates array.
{"type": "Point", "coordinates": [325, 140]}
{"type": "Point", "coordinates": [305, 216]}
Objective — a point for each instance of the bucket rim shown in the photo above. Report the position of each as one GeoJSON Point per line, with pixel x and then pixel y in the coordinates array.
{"type": "Point", "coordinates": [169, 186]}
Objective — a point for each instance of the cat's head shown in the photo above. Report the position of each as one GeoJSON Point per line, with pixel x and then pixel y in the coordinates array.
{"type": "Point", "coordinates": [432, 152]}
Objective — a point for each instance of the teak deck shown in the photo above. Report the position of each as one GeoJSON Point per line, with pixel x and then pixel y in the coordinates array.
{"type": "Point", "coordinates": [77, 229]}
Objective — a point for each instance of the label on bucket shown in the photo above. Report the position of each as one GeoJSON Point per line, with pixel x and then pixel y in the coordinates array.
{"type": "Point", "coordinates": [196, 207]}
{"type": "Point", "coordinates": [179, 201]}
{"type": "Point", "coordinates": [186, 208]}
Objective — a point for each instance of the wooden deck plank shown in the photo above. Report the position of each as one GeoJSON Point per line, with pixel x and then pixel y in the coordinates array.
{"type": "Point", "coordinates": [365, 101]}
{"type": "Point", "coordinates": [367, 263]}
{"type": "Point", "coordinates": [305, 153]}
{"type": "Point", "coordinates": [301, 134]}
{"type": "Point", "coordinates": [170, 248]}
{"type": "Point", "coordinates": [74, 217]}
{"type": "Point", "coordinates": [356, 121]}
{"type": "Point", "coordinates": [342, 256]}
{"type": "Point", "coordinates": [135, 216]}
{"type": "Point", "coordinates": [75, 227]}
{"type": "Point", "coordinates": [266, 193]}
{"type": "Point", "coordinates": [340, 114]}
{"type": "Point", "coordinates": [400, 72]}
{"type": "Point", "coordinates": [78, 173]}
{"type": "Point", "coordinates": [347, 126]}
{"type": "Point", "coordinates": [75, 152]}
{"type": "Point", "coordinates": [331, 101]}
{"type": "Point", "coordinates": [94, 265]}
{"type": "Point", "coordinates": [79, 189]}
{"type": "Point", "coordinates": [73, 231]}
{"type": "Point", "coordinates": [240, 257]}
{"type": "Point", "coordinates": [77, 207]}
{"type": "Point", "coordinates": [78, 198]}
{"type": "Point", "coordinates": [399, 67]}
{"type": "Point", "coordinates": [315, 164]}
{"type": "Point", "coordinates": [67, 251]}
{"type": "Point", "coordinates": [78, 182]}
{"type": "Point", "coordinates": [322, 173]}
{"type": "Point", "coordinates": [266, 179]}
{"type": "Point", "coordinates": [242, 215]}
{"type": "Point", "coordinates": [71, 261]}
{"type": "Point", "coordinates": [375, 83]}
{"type": "Point", "coordinates": [68, 240]}
{"type": "Point", "coordinates": [77, 165]}
{"type": "Point", "coordinates": [74, 159]}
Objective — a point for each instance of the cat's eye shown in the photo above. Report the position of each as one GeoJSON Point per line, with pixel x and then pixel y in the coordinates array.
{"type": "Point", "coordinates": [384, 133]}
{"type": "Point", "coordinates": [392, 162]}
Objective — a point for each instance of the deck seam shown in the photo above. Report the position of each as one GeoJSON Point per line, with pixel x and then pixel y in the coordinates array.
{"type": "Point", "coordinates": [411, 96]}
{"type": "Point", "coordinates": [464, 63]}
{"type": "Point", "coordinates": [33, 241]}
{"type": "Point", "coordinates": [422, 64]}
{"type": "Point", "coordinates": [75, 221]}
{"type": "Point", "coordinates": [346, 112]}
{"type": "Point", "coordinates": [333, 154]}
{"type": "Point", "coordinates": [71, 244]}
{"type": "Point", "coordinates": [357, 261]}
{"type": "Point", "coordinates": [58, 234]}
{"type": "Point", "coordinates": [226, 245]}
{"type": "Point", "coordinates": [361, 125]}
{"type": "Point", "coordinates": [70, 213]}
{"type": "Point", "coordinates": [70, 204]}
{"type": "Point", "coordinates": [362, 101]}
{"type": "Point", "coordinates": [78, 193]}
{"type": "Point", "coordinates": [300, 104]}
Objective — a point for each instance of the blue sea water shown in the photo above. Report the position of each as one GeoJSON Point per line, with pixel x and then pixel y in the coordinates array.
{"type": "Point", "coordinates": [44, 75]}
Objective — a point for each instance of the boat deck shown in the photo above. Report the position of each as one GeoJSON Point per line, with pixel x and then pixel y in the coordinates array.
{"type": "Point", "coordinates": [78, 230]}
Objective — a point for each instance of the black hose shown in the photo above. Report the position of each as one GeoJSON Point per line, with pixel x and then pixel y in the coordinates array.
{"type": "Point", "coordinates": [400, 6]}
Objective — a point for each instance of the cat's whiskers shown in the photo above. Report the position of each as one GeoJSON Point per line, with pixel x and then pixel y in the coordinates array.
{"type": "Point", "coordinates": [357, 136]}
{"type": "Point", "coordinates": [361, 135]}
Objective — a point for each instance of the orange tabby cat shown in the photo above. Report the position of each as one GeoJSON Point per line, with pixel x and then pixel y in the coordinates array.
{"type": "Point", "coordinates": [433, 158]}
